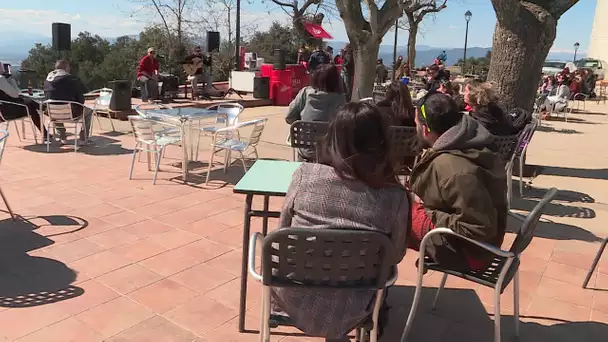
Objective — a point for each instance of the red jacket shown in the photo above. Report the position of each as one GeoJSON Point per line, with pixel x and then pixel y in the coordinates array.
{"type": "Point", "coordinates": [147, 65]}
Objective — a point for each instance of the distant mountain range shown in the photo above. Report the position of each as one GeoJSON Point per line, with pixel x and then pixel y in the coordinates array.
{"type": "Point", "coordinates": [15, 46]}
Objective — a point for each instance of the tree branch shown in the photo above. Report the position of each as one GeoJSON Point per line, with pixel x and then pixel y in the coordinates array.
{"type": "Point", "coordinates": [390, 11]}
{"type": "Point", "coordinates": [286, 4]}
{"type": "Point", "coordinates": [307, 4]}
{"type": "Point", "coordinates": [556, 7]}
{"type": "Point", "coordinates": [506, 10]}
{"type": "Point", "coordinates": [432, 8]}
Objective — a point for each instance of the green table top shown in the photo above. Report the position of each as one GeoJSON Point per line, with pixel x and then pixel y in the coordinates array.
{"type": "Point", "coordinates": [267, 177]}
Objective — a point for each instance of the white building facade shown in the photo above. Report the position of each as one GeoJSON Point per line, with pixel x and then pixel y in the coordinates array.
{"type": "Point", "coordinates": [598, 44]}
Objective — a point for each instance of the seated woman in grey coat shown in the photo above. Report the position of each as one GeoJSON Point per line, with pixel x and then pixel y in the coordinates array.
{"type": "Point", "coordinates": [353, 187]}
{"type": "Point", "coordinates": [317, 102]}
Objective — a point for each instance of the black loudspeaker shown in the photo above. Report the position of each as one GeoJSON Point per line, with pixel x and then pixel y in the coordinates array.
{"type": "Point", "coordinates": [121, 95]}
{"type": "Point", "coordinates": [280, 59]}
{"type": "Point", "coordinates": [62, 40]}
{"type": "Point", "coordinates": [261, 87]}
{"type": "Point", "coordinates": [171, 83]}
{"type": "Point", "coordinates": [213, 41]}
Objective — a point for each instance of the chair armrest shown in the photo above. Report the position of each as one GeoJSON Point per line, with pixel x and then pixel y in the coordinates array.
{"type": "Point", "coordinates": [394, 276]}
{"type": "Point", "coordinates": [251, 258]}
{"type": "Point", "coordinates": [446, 231]}
{"type": "Point", "coordinates": [575, 96]}
{"type": "Point", "coordinates": [27, 109]}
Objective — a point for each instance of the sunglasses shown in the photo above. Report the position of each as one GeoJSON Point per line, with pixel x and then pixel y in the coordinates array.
{"type": "Point", "coordinates": [422, 109]}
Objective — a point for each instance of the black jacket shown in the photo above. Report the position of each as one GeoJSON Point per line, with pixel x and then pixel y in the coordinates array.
{"type": "Point", "coordinates": [494, 119]}
{"type": "Point", "coordinates": [317, 58]}
{"type": "Point", "coordinates": [61, 85]}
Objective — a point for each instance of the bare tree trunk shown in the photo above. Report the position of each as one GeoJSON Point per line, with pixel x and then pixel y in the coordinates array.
{"type": "Point", "coordinates": [365, 69]}
{"type": "Point", "coordinates": [520, 47]}
{"type": "Point", "coordinates": [411, 41]}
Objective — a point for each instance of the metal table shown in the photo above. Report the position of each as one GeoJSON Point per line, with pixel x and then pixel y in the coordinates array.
{"type": "Point", "coordinates": [181, 117]}
{"type": "Point", "coordinates": [265, 178]}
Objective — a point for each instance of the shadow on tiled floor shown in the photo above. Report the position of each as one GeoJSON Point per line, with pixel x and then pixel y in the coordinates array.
{"type": "Point", "coordinates": [30, 280]}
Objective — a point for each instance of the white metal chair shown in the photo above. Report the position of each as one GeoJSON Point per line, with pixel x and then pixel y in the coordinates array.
{"type": "Point", "coordinates": [3, 138]}
{"type": "Point", "coordinates": [579, 98]}
{"type": "Point", "coordinates": [34, 92]}
{"type": "Point", "coordinates": [62, 112]}
{"type": "Point", "coordinates": [562, 107]}
{"type": "Point", "coordinates": [102, 104]}
{"type": "Point", "coordinates": [98, 92]}
{"type": "Point", "coordinates": [150, 141]}
{"type": "Point", "coordinates": [27, 110]}
{"type": "Point", "coordinates": [231, 113]}
{"type": "Point", "coordinates": [229, 139]}
{"type": "Point", "coordinates": [503, 268]}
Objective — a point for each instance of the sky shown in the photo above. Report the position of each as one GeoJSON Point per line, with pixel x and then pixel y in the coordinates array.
{"type": "Point", "coordinates": [112, 18]}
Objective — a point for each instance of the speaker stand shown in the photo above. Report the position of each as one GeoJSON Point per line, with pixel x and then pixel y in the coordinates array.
{"type": "Point", "coordinates": [232, 91]}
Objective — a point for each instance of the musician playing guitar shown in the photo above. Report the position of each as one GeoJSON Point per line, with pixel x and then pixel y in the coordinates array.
{"type": "Point", "coordinates": [198, 66]}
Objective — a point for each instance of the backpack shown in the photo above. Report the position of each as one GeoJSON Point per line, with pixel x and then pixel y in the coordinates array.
{"type": "Point", "coordinates": [519, 118]}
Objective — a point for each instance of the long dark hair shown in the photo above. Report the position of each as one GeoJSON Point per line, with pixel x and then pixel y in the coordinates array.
{"type": "Point", "coordinates": [357, 146]}
{"type": "Point", "coordinates": [398, 98]}
{"type": "Point", "coordinates": [327, 78]}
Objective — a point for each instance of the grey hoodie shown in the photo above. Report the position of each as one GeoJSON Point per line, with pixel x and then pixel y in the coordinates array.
{"type": "Point", "coordinates": [313, 105]}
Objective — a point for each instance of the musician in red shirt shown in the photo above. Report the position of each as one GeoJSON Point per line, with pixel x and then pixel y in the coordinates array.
{"type": "Point", "coordinates": [147, 74]}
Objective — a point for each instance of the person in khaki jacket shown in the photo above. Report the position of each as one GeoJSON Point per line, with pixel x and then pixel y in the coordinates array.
{"type": "Point", "coordinates": [460, 183]}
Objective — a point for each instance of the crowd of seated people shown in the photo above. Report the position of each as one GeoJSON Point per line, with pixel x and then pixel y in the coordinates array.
{"type": "Point", "coordinates": [59, 85]}
{"type": "Point", "coordinates": [557, 98]}
{"type": "Point", "coordinates": [458, 182]}
{"type": "Point", "coordinates": [484, 107]}
{"type": "Point", "coordinates": [12, 108]}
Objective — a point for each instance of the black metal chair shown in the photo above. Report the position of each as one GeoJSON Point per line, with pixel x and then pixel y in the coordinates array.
{"type": "Point", "coordinates": [306, 134]}
{"type": "Point", "coordinates": [505, 145]}
{"type": "Point", "coordinates": [404, 145]}
{"type": "Point", "coordinates": [404, 142]}
{"type": "Point", "coordinates": [323, 259]}
{"type": "Point", "coordinates": [497, 275]}
{"type": "Point", "coordinates": [519, 152]}
{"type": "Point", "coordinates": [598, 256]}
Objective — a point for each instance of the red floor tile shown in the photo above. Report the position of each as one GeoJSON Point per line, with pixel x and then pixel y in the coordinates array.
{"type": "Point", "coordinates": [115, 316]}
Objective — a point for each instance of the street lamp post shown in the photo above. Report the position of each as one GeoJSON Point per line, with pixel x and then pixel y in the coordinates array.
{"type": "Point", "coordinates": [467, 17]}
{"type": "Point", "coordinates": [237, 47]}
{"type": "Point", "coordinates": [395, 48]}
{"type": "Point", "coordinates": [576, 46]}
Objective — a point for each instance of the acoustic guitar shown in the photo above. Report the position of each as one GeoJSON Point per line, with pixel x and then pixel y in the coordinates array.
{"type": "Point", "coordinates": [195, 64]}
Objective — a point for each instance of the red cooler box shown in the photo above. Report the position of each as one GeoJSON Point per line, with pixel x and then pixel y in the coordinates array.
{"type": "Point", "coordinates": [280, 87]}
{"type": "Point", "coordinates": [266, 70]}
{"type": "Point", "coordinates": [300, 78]}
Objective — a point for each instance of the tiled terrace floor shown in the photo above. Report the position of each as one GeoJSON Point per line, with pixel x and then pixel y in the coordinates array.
{"type": "Point", "coordinates": [98, 257]}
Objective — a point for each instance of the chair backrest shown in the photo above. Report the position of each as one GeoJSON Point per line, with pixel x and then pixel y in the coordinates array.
{"type": "Point", "coordinates": [525, 136]}
{"type": "Point", "coordinates": [104, 97]}
{"type": "Point", "coordinates": [404, 141]}
{"type": "Point", "coordinates": [143, 130]}
{"type": "Point", "coordinates": [61, 110]}
{"type": "Point", "coordinates": [306, 134]}
{"type": "Point", "coordinates": [3, 138]}
{"type": "Point", "coordinates": [505, 146]}
{"type": "Point", "coordinates": [232, 110]}
{"type": "Point", "coordinates": [256, 133]}
{"type": "Point", "coordinates": [327, 258]}
{"type": "Point", "coordinates": [526, 232]}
